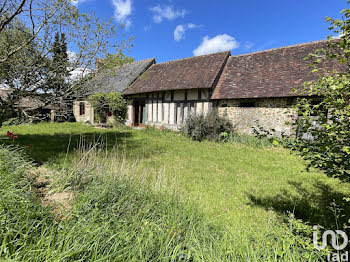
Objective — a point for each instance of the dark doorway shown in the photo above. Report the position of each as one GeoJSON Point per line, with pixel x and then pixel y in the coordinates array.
{"type": "Point", "coordinates": [139, 113]}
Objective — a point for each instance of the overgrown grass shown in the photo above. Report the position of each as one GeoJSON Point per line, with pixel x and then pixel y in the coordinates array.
{"type": "Point", "coordinates": [243, 192]}
{"type": "Point", "coordinates": [248, 140]}
{"type": "Point", "coordinates": [115, 216]}
{"type": "Point", "coordinates": [118, 214]}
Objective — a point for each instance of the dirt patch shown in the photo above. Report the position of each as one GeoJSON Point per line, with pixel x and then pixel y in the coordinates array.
{"type": "Point", "coordinates": [41, 180]}
{"type": "Point", "coordinates": [60, 202]}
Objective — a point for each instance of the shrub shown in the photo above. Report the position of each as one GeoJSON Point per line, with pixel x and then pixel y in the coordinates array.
{"type": "Point", "coordinates": [118, 106]}
{"type": "Point", "coordinates": [113, 102]}
{"type": "Point", "coordinates": [211, 126]}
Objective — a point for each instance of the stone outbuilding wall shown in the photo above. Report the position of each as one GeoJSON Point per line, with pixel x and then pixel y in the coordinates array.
{"type": "Point", "coordinates": [271, 113]}
{"type": "Point", "coordinates": [83, 112]}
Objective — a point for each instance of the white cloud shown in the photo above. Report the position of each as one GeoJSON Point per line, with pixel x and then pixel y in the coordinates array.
{"type": "Point", "coordinates": [218, 43]}
{"type": "Point", "coordinates": [166, 12]}
{"type": "Point", "coordinates": [122, 11]}
{"type": "Point", "coordinates": [340, 35]}
{"type": "Point", "coordinates": [78, 73]}
{"type": "Point", "coordinates": [77, 2]}
{"type": "Point", "coordinates": [72, 56]}
{"type": "Point", "coordinates": [248, 45]}
{"type": "Point", "coordinates": [147, 28]}
{"type": "Point", "coordinates": [180, 30]}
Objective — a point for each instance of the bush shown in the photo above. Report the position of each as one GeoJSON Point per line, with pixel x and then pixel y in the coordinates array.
{"type": "Point", "coordinates": [111, 102]}
{"type": "Point", "coordinates": [211, 126]}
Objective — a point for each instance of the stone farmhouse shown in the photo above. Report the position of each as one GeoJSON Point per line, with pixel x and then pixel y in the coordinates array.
{"type": "Point", "coordinates": [247, 88]}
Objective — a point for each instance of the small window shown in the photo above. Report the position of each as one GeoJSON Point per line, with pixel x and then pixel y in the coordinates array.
{"type": "Point", "coordinates": [290, 101]}
{"type": "Point", "coordinates": [247, 104]}
{"type": "Point", "coordinates": [81, 108]}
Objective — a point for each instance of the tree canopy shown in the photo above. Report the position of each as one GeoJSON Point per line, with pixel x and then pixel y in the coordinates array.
{"type": "Point", "coordinates": [44, 42]}
{"type": "Point", "coordinates": [327, 122]}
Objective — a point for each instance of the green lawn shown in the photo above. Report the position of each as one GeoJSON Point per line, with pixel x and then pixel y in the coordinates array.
{"type": "Point", "coordinates": [248, 189]}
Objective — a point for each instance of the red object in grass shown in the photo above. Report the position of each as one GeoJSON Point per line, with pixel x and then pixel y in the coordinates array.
{"type": "Point", "coordinates": [11, 135]}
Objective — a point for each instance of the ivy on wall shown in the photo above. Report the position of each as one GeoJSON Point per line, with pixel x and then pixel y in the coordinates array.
{"type": "Point", "coordinates": [109, 103]}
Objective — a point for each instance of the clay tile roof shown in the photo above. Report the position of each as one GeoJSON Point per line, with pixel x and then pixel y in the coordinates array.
{"type": "Point", "coordinates": [270, 73]}
{"type": "Point", "coordinates": [188, 73]}
{"type": "Point", "coordinates": [117, 79]}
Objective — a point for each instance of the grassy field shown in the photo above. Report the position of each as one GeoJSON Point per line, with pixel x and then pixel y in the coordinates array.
{"type": "Point", "coordinates": [248, 190]}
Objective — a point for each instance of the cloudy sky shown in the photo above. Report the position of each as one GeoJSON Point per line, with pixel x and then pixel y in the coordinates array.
{"type": "Point", "coordinates": [174, 29]}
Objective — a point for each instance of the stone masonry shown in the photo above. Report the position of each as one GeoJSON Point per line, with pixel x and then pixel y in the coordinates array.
{"type": "Point", "coordinates": [271, 113]}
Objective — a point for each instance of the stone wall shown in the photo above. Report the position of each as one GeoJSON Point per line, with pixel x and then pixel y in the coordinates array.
{"type": "Point", "coordinates": [271, 113]}
{"type": "Point", "coordinates": [88, 116]}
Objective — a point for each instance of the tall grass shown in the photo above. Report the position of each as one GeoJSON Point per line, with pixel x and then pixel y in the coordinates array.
{"type": "Point", "coordinates": [120, 213]}
{"type": "Point", "coordinates": [116, 216]}
{"type": "Point", "coordinates": [22, 220]}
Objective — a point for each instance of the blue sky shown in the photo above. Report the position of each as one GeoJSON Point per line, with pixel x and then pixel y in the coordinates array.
{"type": "Point", "coordinates": [175, 29]}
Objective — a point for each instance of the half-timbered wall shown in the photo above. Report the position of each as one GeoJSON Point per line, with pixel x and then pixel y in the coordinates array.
{"type": "Point", "coordinates": [171, 108]}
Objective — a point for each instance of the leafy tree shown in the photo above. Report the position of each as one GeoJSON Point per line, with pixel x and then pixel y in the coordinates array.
{"type": "Point", "coordinates": [24, 72]}
{"type": "Point", "coordinates": [328, 121]}
{"type": "Point", "coordinates": [98, 102]}
{"type": "Point", "coordinates": [117, 105]}
{"type": "Point", "coordinates": [28, 36]}
{"type": "Point", "coordinates": [118, 59]}
{"type": "Point", "coordinates": [111, 102]}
